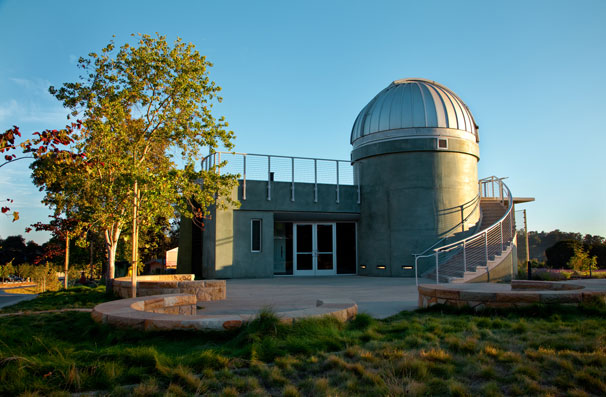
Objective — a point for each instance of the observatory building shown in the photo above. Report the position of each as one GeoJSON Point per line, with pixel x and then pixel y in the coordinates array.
{"type": "Point", "coordinates": [408, 203]}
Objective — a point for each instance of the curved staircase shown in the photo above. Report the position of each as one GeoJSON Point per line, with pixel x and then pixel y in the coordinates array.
{"type": "Point", "coordinates": [472, 257]}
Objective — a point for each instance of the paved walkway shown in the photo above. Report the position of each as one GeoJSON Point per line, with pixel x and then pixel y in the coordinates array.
{"type": "Point", "coordinates": [8, 299]}
{"type": "Point", "coordinates": [380, 297]}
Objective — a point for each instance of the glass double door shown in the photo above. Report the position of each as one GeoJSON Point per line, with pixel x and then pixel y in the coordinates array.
{"type": "Point", "coordinates": [314, 249]}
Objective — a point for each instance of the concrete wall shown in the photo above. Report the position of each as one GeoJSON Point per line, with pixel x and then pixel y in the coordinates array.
{"type": "Point", "coordinates": [409, 201]}
{"type": "Point", "coordinates": [256, 197]}
{"type": "Point", "coordinates": [226, 245]}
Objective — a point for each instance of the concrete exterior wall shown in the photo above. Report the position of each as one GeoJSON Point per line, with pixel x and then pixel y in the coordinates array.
{"type": "Point", "coordinates": [226, 245]}
{"type": "Point", "coordinates": [256, 197]}
{"type": "Point", "coordinates": [184, 263]}
{"type": "Point", "coordinates": [409, 201]}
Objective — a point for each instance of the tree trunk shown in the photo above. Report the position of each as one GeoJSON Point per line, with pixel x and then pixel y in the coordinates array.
{"type": "Point", "coordinates": [90, 257]}
{"type": "Point", "coordinates": [111, 243]}
{"type": "Point", "coordinates": [135, 240]}
{"type": "Point", "coordinates": [66, 263]}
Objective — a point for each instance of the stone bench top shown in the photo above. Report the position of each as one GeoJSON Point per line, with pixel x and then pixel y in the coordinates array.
{"type": "Point", "coordinates": [519, 291]}
{"type": "Point", "coordinates": [132, 313]}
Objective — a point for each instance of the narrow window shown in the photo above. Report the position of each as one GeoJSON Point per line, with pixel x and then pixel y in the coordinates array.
{"type": "Point", "coordinates": [255, 235]}
{"type": "Point", "coordinates": [442, 143]}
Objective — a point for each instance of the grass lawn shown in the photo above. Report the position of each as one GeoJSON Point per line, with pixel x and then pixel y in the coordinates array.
{"type": "Point", "coordinates": [73, 297]}
{"type": "Point", "coordinates": [536, 351]}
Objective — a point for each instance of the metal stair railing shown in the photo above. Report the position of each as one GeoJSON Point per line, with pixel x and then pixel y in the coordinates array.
{"type": "Point", "coordinates": [478, 249]}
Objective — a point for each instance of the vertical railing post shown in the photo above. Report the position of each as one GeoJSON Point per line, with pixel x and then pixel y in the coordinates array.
{"type": "Point", "coordinates": [486, 245]}
{"type": "Point", "coordinates": [219, 168]}
{"type": "Point", "coordinates": [416, 271]}
{"type": "Point", "coordinates": [464, 257]}
{"type": "Point", "coordinates": [315, 180]}
{"type": "Point", "coordinates": [337, 161]}
{"type": "Point", "coordinates": [462, 217]}
{"type": "Point", "coordinates": [437, 269]}
{"type": "Point", "coordinates": [292, 183]}
{"type": "Point", "coordinates": [244, 177]}
{"type": "Point", "coordinates": [502, 247]}
{"type": "Point", "coordinates": [268, 177]}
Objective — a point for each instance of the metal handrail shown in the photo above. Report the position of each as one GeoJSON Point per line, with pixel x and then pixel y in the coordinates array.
{"type": "Point", "coordinates": [214, 159]}
{"type": "Point", "coordinates": [503, 194]}
{"type": "Point", "coordinates": [510, 206]}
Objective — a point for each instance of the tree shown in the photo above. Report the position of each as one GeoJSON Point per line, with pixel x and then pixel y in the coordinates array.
{"type": "Point", "coordinates": [560, 253]}
{"type": "Point", "coordinates": [581, 261]}
{"type": "Point", "coordinates": [42, 144]}
{"type": "Point", "coordinates": [144, 107]}
{"type": "Point", "coordinates": [64, 229]}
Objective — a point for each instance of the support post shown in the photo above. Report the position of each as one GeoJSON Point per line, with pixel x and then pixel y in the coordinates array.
{"type": "Point", "coordinates": [292, 183]}
{"type": "Point", "coordinates": [315, 180]}
{"type": "Point", "coordinates": [486, 246]}
{"type": "Point", "coordinates": [244, 178]}
{"type": "Point", "coordinates": [437, 270]}
{"type": "Point", "coordinates": [337, 161]}
{"type": "Point", "coordinates": [502, 247]}
{"type": "Point", "coordinates": [464, 257]}
{"type": "Point", "coordinates": [527, 248]}
{"type": "Point", "coordinates": [268, 178]}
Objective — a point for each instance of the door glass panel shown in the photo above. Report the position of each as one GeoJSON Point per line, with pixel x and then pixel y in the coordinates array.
{"type": "Point", "coordinates": [305, 262]}
{"type": "Point", "coordinates": [325, 262]}
{"type": "Point", "coordinates": [304, 238]}
{"type": "Point", "coordinates": [324, 238]}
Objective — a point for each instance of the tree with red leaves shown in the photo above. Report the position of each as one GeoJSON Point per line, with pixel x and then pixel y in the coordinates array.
{"type": "Point", "coordinates": [47, 142]}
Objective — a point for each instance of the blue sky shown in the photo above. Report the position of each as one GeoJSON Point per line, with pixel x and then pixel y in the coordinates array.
{"type": "Point", "coordinates": [296, 74]}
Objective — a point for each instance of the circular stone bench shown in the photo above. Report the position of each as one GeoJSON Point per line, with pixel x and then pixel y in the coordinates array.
{"type": "Point", "coordinates": [178, 312]}
{"type": "Point", "coordinates": [519, 293]}
{"type": "Point", "coordinates": [161, 284]}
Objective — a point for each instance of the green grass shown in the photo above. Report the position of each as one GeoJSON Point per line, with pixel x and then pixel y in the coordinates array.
{"type": "Point", "coordinates": [536, 351]}
{"type": "Point", "coordinates": [73, 297]}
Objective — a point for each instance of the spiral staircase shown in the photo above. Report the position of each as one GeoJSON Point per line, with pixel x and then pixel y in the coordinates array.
{"type": "Point", "coordinates": [474, 257]}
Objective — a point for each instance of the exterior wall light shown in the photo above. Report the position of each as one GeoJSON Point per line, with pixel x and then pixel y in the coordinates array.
{"type": "Point", "coordinates": [406, 267]}
{"type": "Point", "coordinates": [382, 267]}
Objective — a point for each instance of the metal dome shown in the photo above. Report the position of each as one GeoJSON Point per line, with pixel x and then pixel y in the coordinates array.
{"type": "Point", "coordinates": [411, 108]}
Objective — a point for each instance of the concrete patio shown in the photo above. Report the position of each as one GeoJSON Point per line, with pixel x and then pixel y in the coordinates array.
{"type": "Point", "coordinates": [380, 297]}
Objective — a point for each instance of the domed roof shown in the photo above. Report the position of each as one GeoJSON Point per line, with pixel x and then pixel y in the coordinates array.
{"type": "Point", "coordinates": [407, 106]}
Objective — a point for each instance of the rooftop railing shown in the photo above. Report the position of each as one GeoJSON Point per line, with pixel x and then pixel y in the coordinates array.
{"type": "Point", "coordinates": [273, 168]}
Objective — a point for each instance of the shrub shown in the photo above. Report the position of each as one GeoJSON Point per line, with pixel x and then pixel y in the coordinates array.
{"type": "Point", "coordinates": [45, 276]}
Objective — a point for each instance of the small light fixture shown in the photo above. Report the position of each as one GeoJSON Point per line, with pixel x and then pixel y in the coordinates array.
{"type": "Point", "coordinates": [382, 267]}
{"type": "Point", "coordinates": [362, 266]}
{"type": "Point", "coordinates": [406, 267]}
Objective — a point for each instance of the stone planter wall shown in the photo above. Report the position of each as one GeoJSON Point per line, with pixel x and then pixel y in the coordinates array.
{"type": "Point", "coordinates": [204, 290]}
{"type": "Point", "coordinates": [178, 312]}
{"type": "Point", "coordinates": [520, 293]}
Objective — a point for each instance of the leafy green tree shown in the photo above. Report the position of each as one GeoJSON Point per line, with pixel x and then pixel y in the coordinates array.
{"type": "Point", "coordinates": [6, 270]}
{"type": "Point", "coordinates": [145, 107]}
{"type": "Point", "coordinates": [581, 261]}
